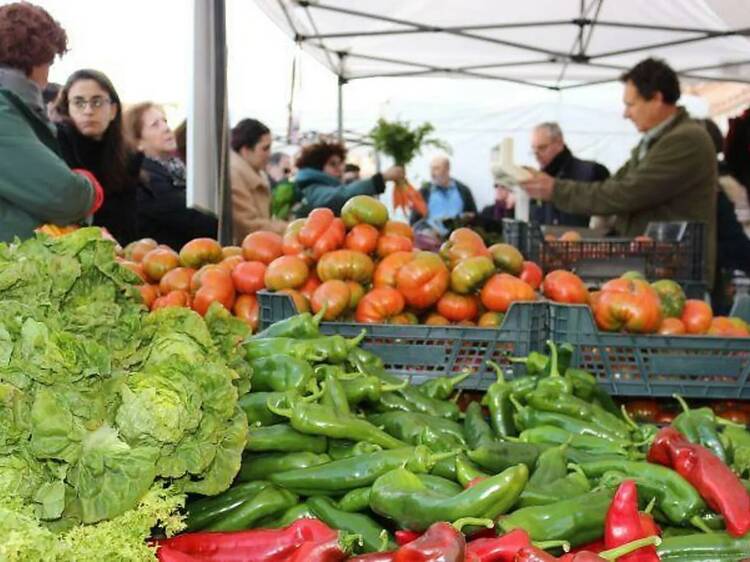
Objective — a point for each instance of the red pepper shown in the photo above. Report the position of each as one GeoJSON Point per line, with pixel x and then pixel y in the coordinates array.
{"type": "Point", "coordinates": [405, 537]}
{"type": "Point", "coordinates": [596, 546]}
{"type": "Point", "coordinates": [320, 551]}
{"type": "Point", "coordinates": [166, 554]}
{"type": "Point", "coordinates": [257, 545]}
{"type": "Point", "coordinates": [532, 554]}
{"type": "Point", "coordinates": [715, 481]}
{"type": "Point", "coordinates": [498, 549]}
{"type": "Point", "coordinates": [374, 557]}
{"type": "Point", "coordinates": [442, 542]}
{"type": "Point", "coordinates": [650, 528]}
{"type": "Point", "coordinates": [623, 524]}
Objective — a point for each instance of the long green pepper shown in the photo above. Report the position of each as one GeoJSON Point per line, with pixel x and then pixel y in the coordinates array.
{"type": "Point", "coordinates": [261, 467]}
{"type": "Point", "coordinates": [374, 536]}
{"type": "Point", "coordinates": [283, 438]}
{"type": "Point", "coordinates": [476, 428]}
{"type": "Point", "coordinates": [269, 501]}
{"type": "Point", "coordinates": [299, 326]}
{"type": "Point", "coordinates": [497, 400]}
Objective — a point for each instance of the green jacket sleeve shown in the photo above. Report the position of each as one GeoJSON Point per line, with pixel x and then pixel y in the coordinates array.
{"type": "Point", "coordinates": [664, 172]}
{"type": "Point", "coordinates": [335, 197]}
{"type": "Point", "coordinates": [35, 179]}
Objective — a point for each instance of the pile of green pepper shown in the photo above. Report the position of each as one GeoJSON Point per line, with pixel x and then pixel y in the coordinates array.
{"type": "Point", "coordinates": [333, 435]}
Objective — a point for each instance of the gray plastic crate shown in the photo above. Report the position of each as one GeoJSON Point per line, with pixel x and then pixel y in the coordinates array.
{"type": "Point", "coordinates": [741, 307]}
{"type": "Point", "coordinates": [421, 352]}
{"type": "Point", "coordinates": [653, 365]}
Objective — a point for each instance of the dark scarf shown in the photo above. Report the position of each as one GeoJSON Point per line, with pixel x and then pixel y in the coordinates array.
{"type": "Point", "coordinates": [558, 162]}
{"type": "Point", "coordinates": [175, 167]}
{"type": "Point", "coordinates": [80, 151]}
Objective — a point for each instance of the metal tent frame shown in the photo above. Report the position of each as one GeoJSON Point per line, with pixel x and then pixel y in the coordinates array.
{"type": "Point", "coordinates": [585, 21]}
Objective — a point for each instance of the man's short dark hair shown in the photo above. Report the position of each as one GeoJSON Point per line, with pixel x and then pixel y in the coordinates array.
{"type": "Point", "coordinates": [654, 75]}
{"type": "Point", "coordinates": [351, 168]}
{"type": "Point", "coordinates": [49, 94]}
{"type": "Point", "coordinates": [247, 133]}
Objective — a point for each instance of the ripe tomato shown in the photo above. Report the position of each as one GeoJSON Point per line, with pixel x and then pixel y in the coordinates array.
{"type": "Point", "coordinates": [200, 251]}
{"type": "Point", "coordinates": [571, 236]}
{"type": "Point", "coordinates": [173, 298]}
{"type": "Point", "coordinates": [212, 284]}
{"type": "Point", "coordinates": [362, 238]}
{"type": "Point", "coordinates": [322, 232]}
{"type": "Point", "coordinates": [671, 296]}
{"type": "Point", "coordinates": [466, 236]}
{"type": "Point", "coordinates": [346, 265]}
{"type": "Point", "coordinates": [228, 264]}
{"type": "Point", "coordinates": [391, 243]}
{"type": "Point", "coordinates": [261, 246]}
{"type": "Point", "coordinates": [301, 303]}
{"type": "Point", "coordinates": [628, 304]}
{"type": "Point", "coordinates": [136, 250]}
{"type": "Point", "coordinates": [312, 283]}
{"type": "Point", "coordinates": [177, 279]}
{"type": "Point", "coordinates": [379, 305]}
{"type": "Point", "coordinates": [435, 319]}
{"type": "Point", "coordinates": [149, 293]}
{"type": "Point", "coordinates": [507, 258]}
{"type": "Point", "coordinates": [286, 272]}
{"type": "Point", "coordinates": [697, 316]}
{"type": "Point", "coordinates": [249, 277]}
{"type": "Point", "coordinates": [532, 274]}
{"type": "Point", "coordinates": [502, 289]}
{"type": "Point", "coordinates": [246, 308]}
{"type": "Point", "coordinates": [457, 308]}
{"type": "Point", "coordinates": [423, 280]}
{"type": "Point", "coordinates": [229, 251]}
{"type": "Point", "coordinates": [672, 327]}
{"type": "Point", "coordinates": [400, 228]}
{"type": "Point", "coordinates": [385, 272]}
{"type": "Point", "coordinates": [405, 319]}
{"type": "Point", "coordinates": [643, 410]}
{"type": "Point", "coordinates": [159, 261]}
{"type": "Point", "coordinates": [334, 295]}
{"type": "Point", "coordinates": [356, 292]}
{"type": "Point", "coordinates": [723, 326]}
{"type": "Point", "coordinates": [491, 320]}
{"type": "Point", "coordinates": [136, 268]}
{"type": "Point", "coordinates": [566, 287]}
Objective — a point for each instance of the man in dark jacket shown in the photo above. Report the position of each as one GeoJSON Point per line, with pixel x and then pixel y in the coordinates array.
{"type": "Point", "coordinates": [556, 159]}
{"type": "Point", "coordinates": [446, 197]}
{"type": "Point", "coordinates": [671, 174]}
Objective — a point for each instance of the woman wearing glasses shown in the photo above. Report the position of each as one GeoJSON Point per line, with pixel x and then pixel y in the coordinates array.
{"type": "Point", "coordinates": [162, 211]}
{"type": "Point", "coordinates": [91, 137]}
{"type": "Point", "coordinates": [36, 185]}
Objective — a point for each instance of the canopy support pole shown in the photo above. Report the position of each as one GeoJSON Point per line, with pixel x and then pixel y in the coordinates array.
{"type": "Point", "coordinates": [341, 82]}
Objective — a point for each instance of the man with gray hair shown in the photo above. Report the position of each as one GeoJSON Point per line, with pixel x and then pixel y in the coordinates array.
{"type": "Point", "coordinates": [556, 159]}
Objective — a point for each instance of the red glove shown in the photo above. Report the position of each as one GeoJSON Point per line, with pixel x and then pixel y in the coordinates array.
{"type": "Point", "coordinates": [98, 191]}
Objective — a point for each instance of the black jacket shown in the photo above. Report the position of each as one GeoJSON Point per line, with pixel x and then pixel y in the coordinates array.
{"type": "Point", "coordinates": [118, 213]}
{"type": "Point", "coordinates": [567, 167]}
{"type": "Point", "coordinates": [162, 211]}
{"type": "Point", "coordinates": [468, 199]}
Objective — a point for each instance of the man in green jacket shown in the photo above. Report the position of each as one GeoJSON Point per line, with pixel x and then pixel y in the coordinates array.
{"type": "Point", "coordinates": [671, 174]}
{"type": "Point", "coordinates": [36, 186]}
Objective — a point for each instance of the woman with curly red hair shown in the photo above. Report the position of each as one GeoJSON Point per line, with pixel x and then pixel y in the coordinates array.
{"type": "Point", "coordinates": [36, 186]}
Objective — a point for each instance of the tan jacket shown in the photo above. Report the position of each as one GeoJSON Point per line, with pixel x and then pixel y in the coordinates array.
{"type": "Point", "coordinates": [251, 200]}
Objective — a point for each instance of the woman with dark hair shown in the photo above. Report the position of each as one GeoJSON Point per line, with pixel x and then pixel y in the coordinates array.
{"type": "Point", "coordinates": [251, 190]}
{"type": "Point", "coordinates": [162, 210]}
{"type": "Point", "coordinates": [91, 137]}
{"type": "Point", "coordinates": [319, 179]}
{"type": "Point", "coordinates": [36, 186]}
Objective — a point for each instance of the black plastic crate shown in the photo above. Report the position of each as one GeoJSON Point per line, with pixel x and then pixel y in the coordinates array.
{"type": "Point", "coordinates": [653, 365]}
{"type": "Point", "coordinates": [421, 352]}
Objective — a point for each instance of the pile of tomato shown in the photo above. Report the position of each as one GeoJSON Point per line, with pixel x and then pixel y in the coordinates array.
{"type": "Point", "coordinates": [362, 267]}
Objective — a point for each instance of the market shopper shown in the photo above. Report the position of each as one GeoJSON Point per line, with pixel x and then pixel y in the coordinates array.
{"type": "Point", "coordinates": [671, 174]}
{"type": "Point", "coordinates": [446, 197]}
{"type": "Point", "coordinates": [279, 168]}
{"type": "Point", "coordinates": [91, 137]}
{"type": "Point", "coordinates": [162, 211]}
{"type": "Point", "coordinates": [36, 186]}
{"type": "Point", "coordinates": [557, 160]}
{"type": "Point", "coordinates": [502, 208]}
{"type": "Point", "coordinates": [251, 191]}
{"type": "Point", "coordinates": [319, 178]}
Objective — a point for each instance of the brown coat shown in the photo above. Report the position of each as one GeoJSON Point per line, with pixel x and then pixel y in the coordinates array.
{"type": "Point", "coordinates": [251, 200]}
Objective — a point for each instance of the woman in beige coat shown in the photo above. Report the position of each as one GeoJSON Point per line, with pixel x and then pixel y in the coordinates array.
{"type": "Point", "coordinates": [251, 191]}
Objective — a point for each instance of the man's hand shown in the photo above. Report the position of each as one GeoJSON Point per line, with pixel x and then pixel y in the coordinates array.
{"type": "Point", "coordinates": [541, 186]}
{"type": "Point", "coordinates": [394, 173]}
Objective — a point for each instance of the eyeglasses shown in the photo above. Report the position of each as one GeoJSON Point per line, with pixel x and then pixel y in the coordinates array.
{"type": "Point", "coordinates": [540, 148]}
{"type": "Point", "coordinates": [94, 103]}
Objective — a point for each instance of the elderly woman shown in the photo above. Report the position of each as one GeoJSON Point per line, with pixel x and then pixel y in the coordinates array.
{"type": "Point", "coordinates": [162, 210]}
{"type": "Point", "coordinates": [36, 185]}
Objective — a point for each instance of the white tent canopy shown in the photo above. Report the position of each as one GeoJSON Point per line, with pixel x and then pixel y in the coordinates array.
{"type": "Point", "coordinates": [554, 44]}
